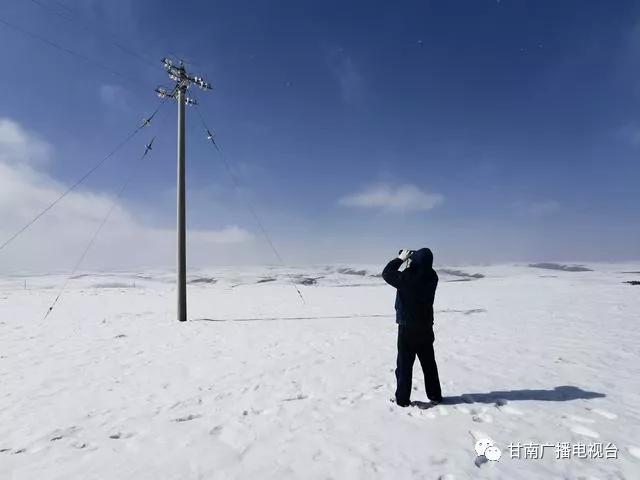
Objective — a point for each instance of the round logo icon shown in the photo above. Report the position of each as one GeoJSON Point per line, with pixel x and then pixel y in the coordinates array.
{"type": "Point", "coordinates": [485, 448]}
{"type": "Point", "coordinates": [492, 453]}
{"type": "Point", "coordinates": [482, 445]}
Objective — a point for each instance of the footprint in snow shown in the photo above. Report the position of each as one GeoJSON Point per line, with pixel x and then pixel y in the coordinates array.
{"type": "Point", "coordinates": [297, 397]}
{"type": "Point", "coordinates": [587, 432]}
{"type": "Point", "coordinates": [187, 418]}
{"type": "Point", "coordinates": [187, 403]}
{"type": "Point", "coordinates": [603, 413]}
{"type": "Point", "coordinates": [439, 460]}
{"type": "Point", "coordinates": [441, 410]}
{"type": "Point", "coordinates": [503, 406]}
{"type": "Point", "coordinates": [482, 418]}
{"type": "Point", "coordinates": [577, 418]}
{"type": "Point", "coordinates": [61, 433]}
{"type": "Point", "coordinates": [634, 451]}
{"type": "Point", "coordinates": [477, 435]}
{"type": "Point", "coordinates": [421, 413]}
{"type": "Point", "coordinates": [235, 435]}
{"type": "Point", "coordinates": [421, 405]}
{"type": "Point", "coordinates": [511, 410]}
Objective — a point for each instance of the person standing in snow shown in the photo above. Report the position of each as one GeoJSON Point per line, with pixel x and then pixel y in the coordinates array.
{"type": "Point", "coordinates": [416, 289]}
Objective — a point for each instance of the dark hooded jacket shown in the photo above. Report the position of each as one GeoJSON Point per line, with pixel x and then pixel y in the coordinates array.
{"type": "Point", "coordinates": [416, 287]}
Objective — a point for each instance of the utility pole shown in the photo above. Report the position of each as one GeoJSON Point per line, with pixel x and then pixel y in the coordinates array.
{"type": "Point", "coordinates": [183, 81]}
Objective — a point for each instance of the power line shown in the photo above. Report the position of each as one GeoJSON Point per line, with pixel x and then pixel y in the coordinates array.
{"type": "Point", "coordinates": [146, 122]}
{"type": "Point", "coordinates": [108, 36]}
{"type": "Point", "coordinates": [62, 5]}
{"type": "Point", "coordinates": [248, 204]}
{"type": "Point", "coordinates": [147, 149]}
{"type": "Point", "coordinates": [141, 57]}
{"type": "Point", "coordinates": [69, 51]}
{"type": "Point", "coordinates": [91, 29]}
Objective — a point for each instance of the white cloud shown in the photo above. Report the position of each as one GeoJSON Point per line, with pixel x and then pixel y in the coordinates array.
{"type": "Point", "coordinates": [403, 198]}
{"type": "Point", "coordinates": [120, 14]}
{"type": "Point", "coordinates": [58, 238]}
{"type": "Point", "coordinates": [348, 76]}
{"type": "Point", "coordinates": [541, 209]}
{"type": "Point", "coordinates": [113, 96]}
{"type": "Point", "coordinates": [231, 234]}
{"type": "Point", "coordinates": [19, 147]}
{"type": "Point", "coordinates": [630, 134]}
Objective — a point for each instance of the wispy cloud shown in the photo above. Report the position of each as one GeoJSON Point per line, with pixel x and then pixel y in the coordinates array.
{"type": "Point", "coordinates": [630, 134]}
{"type": "Point", "coordinates": [125, 241]}
{"type": "Point", "coordinates": [120, 14]}
{"type": "Point", "coordinates": [20, 148]}
{"type": "Point", "coordinates": [346, 73]}
{"type": "Point", "coordinates": [231, 234]}
{"type": "Point", "coordinates": [402, 198]}
{"type": "Point", "coordinates": [113, 96]}
{"type": "Point", "coordinates": [540, 208]}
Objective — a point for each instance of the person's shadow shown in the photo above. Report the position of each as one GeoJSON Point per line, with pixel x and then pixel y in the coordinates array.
{"type": "Point", "coordinates": [562, 393]}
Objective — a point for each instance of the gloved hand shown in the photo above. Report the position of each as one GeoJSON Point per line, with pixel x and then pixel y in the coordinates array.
{"type": "Point", "coordinates": [404, 254]}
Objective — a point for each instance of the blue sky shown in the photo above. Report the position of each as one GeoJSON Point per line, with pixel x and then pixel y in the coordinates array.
{"type": "Point", "coordinates": [489, 130]}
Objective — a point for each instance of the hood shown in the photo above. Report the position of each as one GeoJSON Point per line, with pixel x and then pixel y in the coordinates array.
{"type": "Point", "coordinates": [422, 259]}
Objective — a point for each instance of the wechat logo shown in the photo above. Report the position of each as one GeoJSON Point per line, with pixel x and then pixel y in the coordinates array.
{"type": "Point", "coordinates": [485, 448]}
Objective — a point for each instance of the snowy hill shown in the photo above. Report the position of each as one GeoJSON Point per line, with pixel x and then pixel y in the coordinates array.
{"type": "Point", "coordinates": [260, 385]}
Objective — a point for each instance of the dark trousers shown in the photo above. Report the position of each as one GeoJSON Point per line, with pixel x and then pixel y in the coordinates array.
{"type": "Point", "coordinates": [414, 341]}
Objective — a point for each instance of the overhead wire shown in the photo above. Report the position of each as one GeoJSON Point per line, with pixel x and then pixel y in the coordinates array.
{"type": "Point", "coordinates": [237, 185]}
{"type": "Point", "coordinates": [68, 16]}
{"type": "Point", "coordinates": [72, 17]}
{"type": "Point", "coordinates": [69, 51]}
{"type": "Point", "coordinates": [96, 233]}
{"type": "Point", "coordinates": [62, 5]}
{"type": "Point", "coordinates": [79, 181]}
{"type": "Point", "coordinates": [106, 35]}
{"type": "Point", "coordinates": [99, 64]}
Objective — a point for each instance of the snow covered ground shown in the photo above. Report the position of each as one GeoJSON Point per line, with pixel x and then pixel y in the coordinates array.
{"type": "Point", "coordinates": [259, 385]}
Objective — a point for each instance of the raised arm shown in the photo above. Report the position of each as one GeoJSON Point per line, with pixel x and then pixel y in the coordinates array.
{"type": "Point", "coordinates": [391, 274]}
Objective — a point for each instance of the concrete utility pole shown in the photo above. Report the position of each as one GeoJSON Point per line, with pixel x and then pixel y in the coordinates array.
{"type": "Point", "coordinates": [183, 81]}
